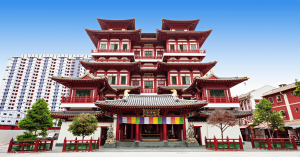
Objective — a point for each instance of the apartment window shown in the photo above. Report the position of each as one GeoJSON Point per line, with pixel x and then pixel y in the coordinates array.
{"type": "Point", "coordinates": [112, 79]}
{"type": "Point", "coordinates": [283, 113]}
{"type": "Point", "coordinates": [103, 46]}
{"type": "Point", "coordinates": [114, 46]}
{"type": "Point", "coordinates": [182, 47]}
{"type": "Point", "coordinates": [174, 80]}
{"type": "Point", "coordinates": [83, 93]}
{"type": "Point", "coordinates": [296, 109]}
{"type": "Point", "coordinates": [193, 47]}
{"type": "Point", "coordinates": [124, 46]}
{"type": "Point", "coordinates": [4, 114]}
{"type": "Point", "coordinates": [278, 98]}
{"type": "Point", "coordinates": [185, 80]}
{"type": "Point", "coordinates": [172, 47]}
{"type": "Point", "coordinates": [217, 93]}
{"type": "Point", "coordinates": [123, 79]}
{"type": "Point", "coordinates": [271, 100]}
{"type": "Point", "coordinates": [148, 84]}
{"type": "Point", "coordinates": [10, 114]}
{"type": "Point", "coordinates": [148, 53]}
{"type": "Point", "coordinates": [2, 120]}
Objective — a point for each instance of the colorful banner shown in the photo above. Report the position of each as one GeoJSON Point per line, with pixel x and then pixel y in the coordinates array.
{"type": "Point", "coordinates": [151, 120]}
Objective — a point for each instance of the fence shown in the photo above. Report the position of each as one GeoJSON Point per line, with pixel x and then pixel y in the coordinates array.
{"type": "Point", "coordinates": [81, 145]}
{"type": "Point", "coordinates": [224, 144]}
{"type": "Point", "coordinates": [32, 146]}
{"type": "Point", "coordinates": [274, 143]}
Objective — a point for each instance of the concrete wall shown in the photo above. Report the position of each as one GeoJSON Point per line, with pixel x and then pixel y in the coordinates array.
{"type": "Point", "coordinates": [65, 133]}
{"type": "Point", "coordinates": [210, 132]}
{"type": "Point", "coordinates": [6, 135]}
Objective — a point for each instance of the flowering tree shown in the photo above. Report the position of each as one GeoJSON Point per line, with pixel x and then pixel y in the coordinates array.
{"type": "Point", "coordinates": [84, 125]}
{"type": "Point", "coordinates": [222, 119]}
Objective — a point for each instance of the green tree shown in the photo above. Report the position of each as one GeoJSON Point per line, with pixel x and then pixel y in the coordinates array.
{"type": "Point", "coordinates": [296, 92]}
{"type": "Point", "coordinates": [84, 125]}
{"type": "Point", "coordinates": [59, 123]}
{"type": "Point", "coordinates": [264, 115]}
{"type": "Point", "coordinates": [38, 117]}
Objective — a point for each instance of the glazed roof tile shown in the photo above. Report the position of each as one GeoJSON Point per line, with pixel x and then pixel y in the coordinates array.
{"type": "Point", "coordinates": [277, 90]}
{"type": "Point", "coordinates": [74, 113]}
{"type": "Point", "coordinates": [163, 100]}
{"type": "Point", "coordinates": [237, 113]}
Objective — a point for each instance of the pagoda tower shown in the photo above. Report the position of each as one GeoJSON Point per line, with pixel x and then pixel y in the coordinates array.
{"type": "Point", "coordinates": [149, 85]}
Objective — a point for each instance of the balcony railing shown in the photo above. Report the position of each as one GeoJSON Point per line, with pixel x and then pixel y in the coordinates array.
{"type": "Point", "coordinates": [148, 57]}
{"type": "Point", "coordinates": [149, 90]}
{"type": "Point", "coordinates": [221, 99]}
{"type": "Point", "coordinates": [79, 99]}
{"type": "Point", "coordinates": [184, 51]}
{"type": "Point", "coordinates": [112, 51]}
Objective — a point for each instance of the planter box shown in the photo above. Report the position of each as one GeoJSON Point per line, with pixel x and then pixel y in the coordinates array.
{"type": "Point", "coordinates": [80, 145]}
{"type": "Point", "coordinates": [30, 146]}
{"type": "Point", "coordinates": [224, 144]}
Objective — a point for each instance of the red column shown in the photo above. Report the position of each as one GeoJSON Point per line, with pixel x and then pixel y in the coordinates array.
{"type": "Point", "coordinates": [122, 132]}
{"type": "Point", "coordinates": [184, 130]}
{"type": "Point", "coordinates": [137, 132]}
{"type": "Point", "coordinates": [117, 130]}
{"type": "Point", "coordinates": [164, 132]}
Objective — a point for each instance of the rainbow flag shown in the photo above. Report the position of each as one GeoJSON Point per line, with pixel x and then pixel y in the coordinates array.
{"type": "Point", "coordinates": [151, 120]}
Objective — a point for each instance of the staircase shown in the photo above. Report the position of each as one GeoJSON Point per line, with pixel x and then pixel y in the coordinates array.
{"type": "Point", "coordinates": [152, 144]}
{"type": "Point", "coordinates": [177, 144]}
{"type": "Point", "coordinates": [125, 144]}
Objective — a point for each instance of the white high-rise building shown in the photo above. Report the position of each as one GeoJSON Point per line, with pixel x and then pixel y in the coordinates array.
{"type": "Point", "coordinates": [27, 78]}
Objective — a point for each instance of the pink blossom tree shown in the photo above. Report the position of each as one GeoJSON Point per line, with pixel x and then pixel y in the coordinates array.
{"type": "Point", "coordinates": [222, 119]}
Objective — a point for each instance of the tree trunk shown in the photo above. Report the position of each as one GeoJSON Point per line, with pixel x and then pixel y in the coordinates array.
{"type": "Point", "coordinates": [221, 131]}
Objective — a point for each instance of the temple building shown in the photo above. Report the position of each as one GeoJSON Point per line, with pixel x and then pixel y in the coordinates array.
{"type": "Point", "coordinates": [149, 86]}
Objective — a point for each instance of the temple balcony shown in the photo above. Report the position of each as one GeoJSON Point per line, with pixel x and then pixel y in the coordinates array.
{"type": "Point", "coordinates": [79, 99]}
{"type": "Point", "coordinates": [185, 51]}
{"type": "Point", "coordinates": [149, 90]}
{"type": "Point", "coordinates": [148, 57]}
{"type": "Point", "coordinates": [221, 99]}
{"type": "Point", "coordinates": [113, 52]}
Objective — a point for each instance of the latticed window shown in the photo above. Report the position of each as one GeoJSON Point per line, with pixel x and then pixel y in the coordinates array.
{"type": "Point", "coordinates": [174, 80]}
{"type": "Point", "coordinates": [217, 93]}
{"type": "Point", "coordinates": [193, 47]}
{"type": "Point", "coordinates": [148, 84]}
{"type": "Point", "coordinates": [124, 46]}
{"type": "Point", "coordinates": [123, 80]}
{"type": "Point", "coordinates": [271, 100]}
{"type": "Point", "coordinates": [278, 98]}
{"type": "Point", "coordinates": [114, 46]}
{"type": "Point", "coordinates": [172, 47]}
{"type": "Point", "coordinates": [112, 79]}
{"type": "Point", "coordinates": [83, 93]}
{"type": "Point", "coordinates": [185, 80]}
{"type": "Point", "coordinates": [182, 47]}
{"type": "Point", "coordinates": [103, 46]}
{"type": "Point", "coordinates": [148, 53]}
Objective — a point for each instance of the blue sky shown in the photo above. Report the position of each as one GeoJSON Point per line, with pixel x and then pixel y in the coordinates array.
{"type": "Point", "coordinates": [259, 39]}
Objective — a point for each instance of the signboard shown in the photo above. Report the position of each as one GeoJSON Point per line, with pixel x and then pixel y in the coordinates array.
{"type": "Point", "coordinates": [148, 74]}
{"type": "Point", "coordinates": [148, 45]}
{"type": "Point", "coordinates": [151, 112]}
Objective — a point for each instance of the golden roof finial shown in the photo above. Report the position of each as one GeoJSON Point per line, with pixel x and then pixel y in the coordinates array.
{"type": "Point", "coordinates": [174, 92]}
{"type": "Point", "coordinates": [87, 72]}
{"type": "Point", "coordinates": [126, 92]}
{"type": "Point", "coordinates": [212, 72]}
{"type": "Point", "coordinates": [92, 74]}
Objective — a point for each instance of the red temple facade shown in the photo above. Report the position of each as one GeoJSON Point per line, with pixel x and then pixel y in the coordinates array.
{"type": "Point", "coordinates": [149, 85]}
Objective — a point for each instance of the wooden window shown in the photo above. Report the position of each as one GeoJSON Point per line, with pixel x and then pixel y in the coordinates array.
{"type": "Point", "coordinates": [161, 83]}
{"type": "Point", "coordinates": [160, 54]}
{"type": "Point", "coordinates": [182, 47]}
{"type": "Point", "coordinates": [185, 80]}
{"type": "Point", "coordinates": [278, 98]}
{"type": "Point", "coordinates": [114, 46]}
{"type": "Point", "coordinates": [112, 79]}
{"type": "Point", "coordinates": [137, 53]}
{"type": "Point", "coordinates": [103, 46]}
{"type": "Point", "coordinates": [148, 84]}
{"type": "Point", "coordinates": [124, 46]}
{"type": "Point", "coordinates": [110, 98]}
{"type": "Point", "coordinates": [174, 80]}
{"type": "Point", "coordinates": [217, 93]}
{"type": "Point", "coordinates": [123, 79]}
{"type": "Point", "coordinates": [135, 83]}
{"type": "Point", "coordinates": [172, 47]}
{"type": "Point", "coordinates": [193, 47]}
{"type": "Point", "coordinates": [187, 98]}
{"type": "Point", "coordinates": [283, 113]}
{"type": "Point", "coordinates": [148, 53]}
{"type": "Point", "coordinates": [271, 100]}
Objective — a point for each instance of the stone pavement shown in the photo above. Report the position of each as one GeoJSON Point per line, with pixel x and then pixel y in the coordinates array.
{"type": "Point", "coordinates": [160, 151]}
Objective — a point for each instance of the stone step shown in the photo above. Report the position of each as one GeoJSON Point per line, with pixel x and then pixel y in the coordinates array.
{"type": "Point", "coordinates": [177, 144]}
{"type": "Point", "coordinates": [125, 144]}
{"type": "Point", "coordinates": [151, 144]}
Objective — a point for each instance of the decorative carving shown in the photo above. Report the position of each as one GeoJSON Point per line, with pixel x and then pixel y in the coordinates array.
{"type": "Point", "coordinates": [151, 112]}
{"type": "Point", "coordinates": [190, 134]}
{"type": "Point", "coordinates": [110, 135]}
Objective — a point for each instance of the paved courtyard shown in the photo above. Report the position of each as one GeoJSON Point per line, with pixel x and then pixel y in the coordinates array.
{"type": "Point", "coordinates": [159, 151]}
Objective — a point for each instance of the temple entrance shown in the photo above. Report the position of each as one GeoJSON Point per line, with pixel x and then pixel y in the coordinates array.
{"type": "Point", "coordinates": [151, 132]}
{"type": "Point", "coordinates": [103, 135]}
{"type": "Point", "coordinates": [128, 132]}
{"type": "Point", "coordinates": [174, 132]}
{"type": "Point", "coordinates": [197, 134]}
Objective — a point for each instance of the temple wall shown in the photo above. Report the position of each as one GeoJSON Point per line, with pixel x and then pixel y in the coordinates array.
{"type": "Point", "coordinates": [65, 133]}
{"type": "Point", "coordinates": [210, 132]}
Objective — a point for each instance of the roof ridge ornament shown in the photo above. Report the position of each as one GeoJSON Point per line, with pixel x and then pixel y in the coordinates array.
{"type": "Point", "coordinates": [174, 92]}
